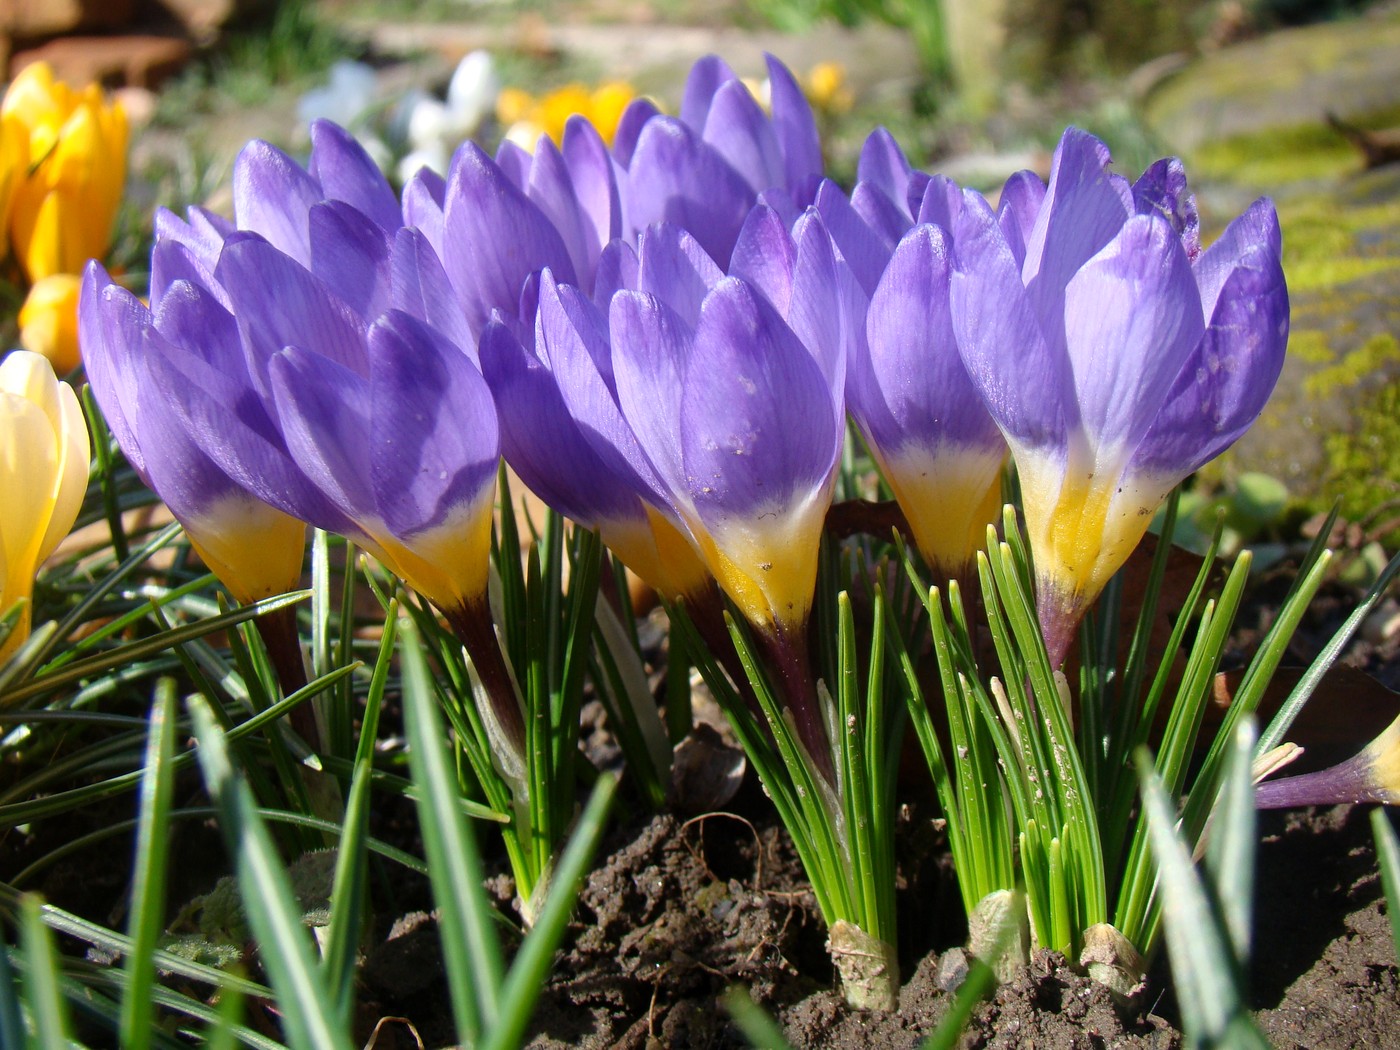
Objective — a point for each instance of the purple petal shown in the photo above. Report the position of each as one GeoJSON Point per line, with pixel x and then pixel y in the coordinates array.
{"type": "Point", "coordinates": [859, 246]}
{"type": "Point", "coordinates": [1256, 228]}
{"type": "Point", "coordinates": [618, 268]}
{"type": "Point", "coordinates": [346, 173]}
{"type": "Point", "coordinates": [420, 287]}
{"type": "Point", "coordinates": [1017, 209]}
{"type": "Point", "coordinates": [652, 346]}
{"type": "Point", "coordinates": [1028, 389]}
{"type": "Point", "coordinates": [551, 188]}
{"type": "Point", "coordinates": [764, 257]}
{"type": "Point", "coordinates": [278, 304]}
{"type": "Point", "coordinates": [515, 161]}
{"type": "Point", "coordinates": [629, 128]}
{"type": "Point", "coordinates": [572, 336]}
{"type": "Point", "coordinates": [594, 178]}
{"type": "Point", "coordinates": [913, 387]}
{"type": "Point", "coordinates": [675, 268]}
{"type": "Point", "coordinates": [542, 442]}
{"type": "Point", "coordinates": [1085, 207]}
{"type": "Point", "coordinates": [109, 318]}
{"type": "Point", "coordinates": [884, 167]}
{"type": "Point", "coordinates": [886, 218]}
{"type": "Point", "coordinates": [756, 421]}
{"type": "Point", "coordinates": [706, 77]}
{"type": "Point", "coordinates": [201, 239]}
{"type": "Point", "coordinates": [326, 415]}
{"type": "Point", "coordinates": [795, 127]}
{"type": "Point", "coordinates": [272, 195]}
{"type": "Point", "coordinates": [494, 237]}
{"type": "Point", "coordinates": [739, 131]}
{"type": "Point", "coordinates": [1226, 382]}
{"type": "Point", "coordinates": [1162, 191]}
{"type": "Point", "coordinates": [424, 198]}
{"type": "Point", "coordinates": [675, 177]}
{"type": "Point", "coordinates": [434, 443]}
{"type": "Point", "coordinates": [817, 312]}
{"type": "Point", "coordinates": [1132, 315]}
{"type": "Point", "coordinates": [350, 253]}
{"type": "Point", "coordinates": [941, 202]}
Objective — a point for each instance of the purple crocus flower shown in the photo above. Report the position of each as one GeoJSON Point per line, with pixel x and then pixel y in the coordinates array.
{"type": "Point", "coordinates": [317, 363]}
{"type": "Point", "coordinates": [1115, 355]}
{"type": "Point", "coordinates": [493, 223]}
{"type": "Point", "coordinates": [563, 434]}
{"type": "Point", "coordinates": [719, 397]}
{"type": "Point", "coordinates": [704, 170]}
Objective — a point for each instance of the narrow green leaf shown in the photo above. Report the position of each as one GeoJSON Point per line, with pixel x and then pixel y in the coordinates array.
{"type": "Point", "coordinates": [348, 894]}
{"type": "Point", "coordinates": [149, 870]}
{"type": "Point", "coordinates": [307, 1011]}
{"type": "Point", "coordinates": [41, 979]}
{"type": "Point", "coordinates": [761, 1031]}
{"type": "Point", "coordinates": [470, 950]}
{"type": "Point", "coordinates": [1388, 855]}
{"type": "Point", "coordinates": [530, 971]}
{"type": "Point", "coordinates": [1206, 974]}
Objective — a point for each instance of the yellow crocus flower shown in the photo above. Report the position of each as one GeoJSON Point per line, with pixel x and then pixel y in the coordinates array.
{"type": "Point", "coordinates": [48, 320]}
{"type": "Point", "coordinates": [43, 471]}
{"type": "Point", "coordinates": [66, 201]}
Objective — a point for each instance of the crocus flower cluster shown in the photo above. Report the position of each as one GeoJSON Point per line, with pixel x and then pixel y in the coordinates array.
{"type": "Point", "coordinates": [62, 174]}
{"type": "Point", "coordinates": [672, 330]}
{"type": "Point", "coordinates": [43, 474]}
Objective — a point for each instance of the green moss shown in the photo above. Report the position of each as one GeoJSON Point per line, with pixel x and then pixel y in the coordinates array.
{"type": "Point", "coordinates": [1371, 357]}
{"type": "Point", "coordinates": [1310, 345]}
{"type": "Point", "coordinates": [1276, 157]}
{"type": "Point", "coordinates": [1364, 463]}
{"type": "Point", "coordinates": [1320, 246]}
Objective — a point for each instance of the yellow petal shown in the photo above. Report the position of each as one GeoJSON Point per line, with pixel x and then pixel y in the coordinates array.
{"type": "Point", "coordinates": [254, 550]}
{"type": "Point", "coordinates": [29, 456]}
{"type": "Point", "coordinates": [48, 320]}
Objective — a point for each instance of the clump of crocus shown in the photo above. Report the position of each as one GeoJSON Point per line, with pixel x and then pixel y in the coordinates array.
{"type": "Point", "coordinates": [74, 170]}
{"type": "Point", "coordinates": [44, 464]}
{"type": "Point", "coordinates": [303, 365]}
{"type": "Point", "coordinates": [1116, 356]}
{"type": "Point", "coordinates": [723, 393]}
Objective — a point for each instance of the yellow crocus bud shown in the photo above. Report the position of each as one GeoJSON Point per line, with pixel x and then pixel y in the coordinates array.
{"type": "Point", "coordinates": [65, 204]}
{"type": "Point", "coordinates": [43, 475]}
{"type": "Point", "coordinates": [48, 320]}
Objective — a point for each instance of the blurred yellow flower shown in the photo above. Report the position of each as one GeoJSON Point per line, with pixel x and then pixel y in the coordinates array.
{"type": "Point", "coordinates": [826, 88]}
{"type": "Point", "coordinates": [65, 200]}
{"type": "Point", "coordinates": [43, 475]}
{"type": "Point", "coordinates": [14, 159]}
{"type": "Point", "coordinates": [48, 320]}
{"type": "Point", "coordinates": [527, 117]}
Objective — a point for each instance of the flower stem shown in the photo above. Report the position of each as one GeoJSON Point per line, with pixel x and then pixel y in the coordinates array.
{"type": "Point", "coordinates": [471, 623]}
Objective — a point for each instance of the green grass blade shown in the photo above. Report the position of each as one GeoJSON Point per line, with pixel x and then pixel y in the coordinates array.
{"type": "Point", "coordinates": [1388, 855]}
{"type": "Point", "coordinates": [761, 1031]}
{"type": "Point", "coordinates": [1273, 735]}
{"type": "Point", "coordinates": [11, 1017]}
{"type": "Point", "coordinates": [1230, 848]}
{"type": "Point", "coordinates": [71, 925]}
{"type": "Point", "coordinates": [530, 970]}
{"type": "Point", "coordinates": [149, 871]}
{"type": "Point", "coordinates": [348, 893]}
{"type": "Point", "coordinates": [41, 980]}
{"type": "Point", "coordinates": [470, 950]}
{"type": "Point", "coordinates": [306, 1008]}
{"type": "Point", "coordinates": [1206, 972]}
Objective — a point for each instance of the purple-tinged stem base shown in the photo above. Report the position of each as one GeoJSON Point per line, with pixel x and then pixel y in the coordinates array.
{"type": "Point", "coordinates": [789, 658]}
{"type": "Point", "coordinates": [278, 630]}
{"type": "Point", "coordinates": [1348, 782]}
{"type": "Point", "coordinates": [472, 624]}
